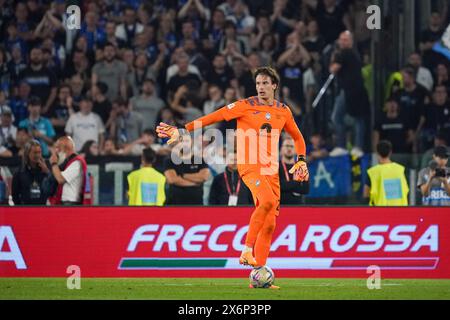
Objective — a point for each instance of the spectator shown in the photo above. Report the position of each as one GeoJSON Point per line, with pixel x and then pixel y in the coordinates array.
{"type": "Point", "coordinates": [77, 64]}
{"type": "Point", "coordinates": [434, 180]}
{"type": "Point", "coordinates": [61, 110]}
{"type": "Point", "coordinates": [30, 183]}
{"type": "Point", "coordinates": [441, 76]}
{"type": "Point", "coordinates": [148, 104]}
{"type": "Point", "coordinates": [196, 58]}
{"type": "Point", "coordinates": [185, 177]}
{"type": "Point", "coordinates": [228, 188]}
{"type": "Point", "coordinates": [112, 72]}
{"type": "Point", "coordinates": [110, 30]}
{"type": "Point", "coordinates": [387, 184]}
{"type": "Point", "coordinates": [182, 77]}
{"type": "Point", "coordinates": [70, 172]}
{"type": "Point", "coordinates": [19, 103]}
{"type": "Point", "coordinates": [292, 192]}
{"type": "Point", "coordinates": [90, 149]}
{"type": "Point", "coordinates": [39, 127]}
{"type": "Point", "coordinates": [394, 127]}
{"type": "Point", "coordinates": [429, 37]}
{"type": "Point", "coordinates": [246, 84]}
{"type": "Point", "coordinates": [85, 125]}
{"type": "Point", "coordinates": [8, 132]}
{"type": "Point", "coordinates": [411, 98]}
{"type": "Point", "coordinates": [215, 100]}
{"type": "Point", "coordinates": [129, 124]}
{"type": "Point", "coordinates": [146, 186]}
{"type": "Point", "coordinates": [352, 99]}
{"type": "Point", "coordinates": [128, 57]}
{"type": "Point", "coordinates": [423, 75]}
{"type": "Point", "coordinates": [16, 64]}
{"type": "Point", "coordinates": [221, 74]}
{"type": "Point", "coordinates": [13, 40]}
{"type": "Point", "coordinates": [42, 81]}
{"type": "Point", "coordinates": [242, 19]}
{"type": "Point", "coordinates": [435, 117]}
{"type": "Point", "coordinates": [292, 65]}
{"type": "Point", "coordinates": [263, 27]}
{"type": "Point", "coordinates": [186, 104]}
{"type": "Point", "coordinates": [332, 20]}
{"type": "Point", "coordinates": [316, 149]}
{"type": "Point", "coordinates": [283, 18]}
{"type": "Point", "coordinates": [216, 29]}
{"type": "Point", "coordinates": [267, 48]}
{"type": "Point", "coordinates": [102, 106]}
{"type": "Point", "coordinates": [141, 72]}
{"type": "Point", "coordinates": [166, 31]}
{"type": "Point", "coordinates": [231, 36]}
{"type": "Point", "coordinates": [90, 29]}
{"type": "Point", "coordinates": [77, 85]}
{"type": "Point", "coordinates": [129, 28]}
{"type": "Point", "coordinates": [110, 148]}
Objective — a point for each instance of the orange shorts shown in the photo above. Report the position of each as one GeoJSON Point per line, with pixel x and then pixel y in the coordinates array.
{"type": "Point", "coordinates": [263, 187]}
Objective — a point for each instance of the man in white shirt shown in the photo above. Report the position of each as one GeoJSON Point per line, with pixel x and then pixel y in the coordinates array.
{"type": "Point", "coordinates": [69, 170]}
{"type": "Point", "coordinates": [85, 125]}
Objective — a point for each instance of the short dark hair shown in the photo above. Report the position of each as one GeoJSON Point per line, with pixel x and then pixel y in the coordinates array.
{"type": "Point", "coordinates": [102, 87]}
{"type": "Point", "coordinates": [121, 102]}
{"type": "Point", "coordinates": [149, 155]}
{"type": "Point", "coordinates": [270, 72]}
{"type": "Point", "coordinates": [384, 148]}
{"type": "Point", "coordinates": [35, 101]}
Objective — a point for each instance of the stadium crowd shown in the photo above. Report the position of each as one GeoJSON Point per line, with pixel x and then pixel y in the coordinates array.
{"type": "Point", "coordinates": [134, 63]}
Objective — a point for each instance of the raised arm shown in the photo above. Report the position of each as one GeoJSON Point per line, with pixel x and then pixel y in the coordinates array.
{"type": "Point", "coordinates": [229, 112]}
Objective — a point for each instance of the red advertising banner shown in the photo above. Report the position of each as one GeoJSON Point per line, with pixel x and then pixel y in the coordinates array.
{"type": "Point", "coordinates": [206, 242]}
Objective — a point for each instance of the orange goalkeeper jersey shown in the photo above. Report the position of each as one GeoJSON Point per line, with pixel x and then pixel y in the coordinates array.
{"type": "Point", "coordinates": [258, 132]}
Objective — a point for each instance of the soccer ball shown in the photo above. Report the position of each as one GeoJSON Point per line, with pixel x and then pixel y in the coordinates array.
{"type": "Point", "coordinates": [262, 277]}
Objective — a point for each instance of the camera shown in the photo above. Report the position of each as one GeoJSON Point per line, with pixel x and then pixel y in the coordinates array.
{"type": "Point", "coordinates": [440, 173]}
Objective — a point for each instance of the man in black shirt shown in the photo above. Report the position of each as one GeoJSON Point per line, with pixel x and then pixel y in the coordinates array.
{"type": "Point", "coordinates": [392, 126]}
{"type": "Point", "coordinates": [31, 184]}
{"type": "Point", "coordinates": [221, 74]}
{"type": "Point", "coordinates": [353, 98]}
{"type": "Point", "coordinates": [182, 77]}
{"type": "Point", "coordinates": [435, 117]}
{"type": "Point", "coordinates": [185, 177]}
{"type": "Point", "coordinates": [292, 192]}
{"type": "Point", "coordinates": [102, 106]}
{"type": "Point", "coordinates": [227, 188]}
{"type": "Point", "coordinates": [412, 97]}
{"type": "Point", "coordinates": [42, 81]}
{"type": "Point", "coordinates": [330, 17]}
{"type": "Point", "coordinates": [428, 38]}
{"type": "Point", "coordinates": [61, 110]}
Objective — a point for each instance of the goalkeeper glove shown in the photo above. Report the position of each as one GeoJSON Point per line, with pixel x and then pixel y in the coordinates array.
{"type": "Point", "coordinates": [300, 170]}
{"type": "Point", "coordinates": [167, 131]}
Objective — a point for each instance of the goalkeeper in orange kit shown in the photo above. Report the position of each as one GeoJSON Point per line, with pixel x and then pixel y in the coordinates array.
{"type": "Point", "coordinates": [260, 120]}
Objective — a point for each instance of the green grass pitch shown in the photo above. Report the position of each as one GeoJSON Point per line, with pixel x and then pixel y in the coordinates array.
{"type": "Point", "coordinates": [220, 289]}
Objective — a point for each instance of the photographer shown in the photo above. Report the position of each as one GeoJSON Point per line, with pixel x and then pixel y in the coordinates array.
{"type": "Point", "coordinates": [434, 181]}
{"type": "Point", "coordinates": [29, 184]}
